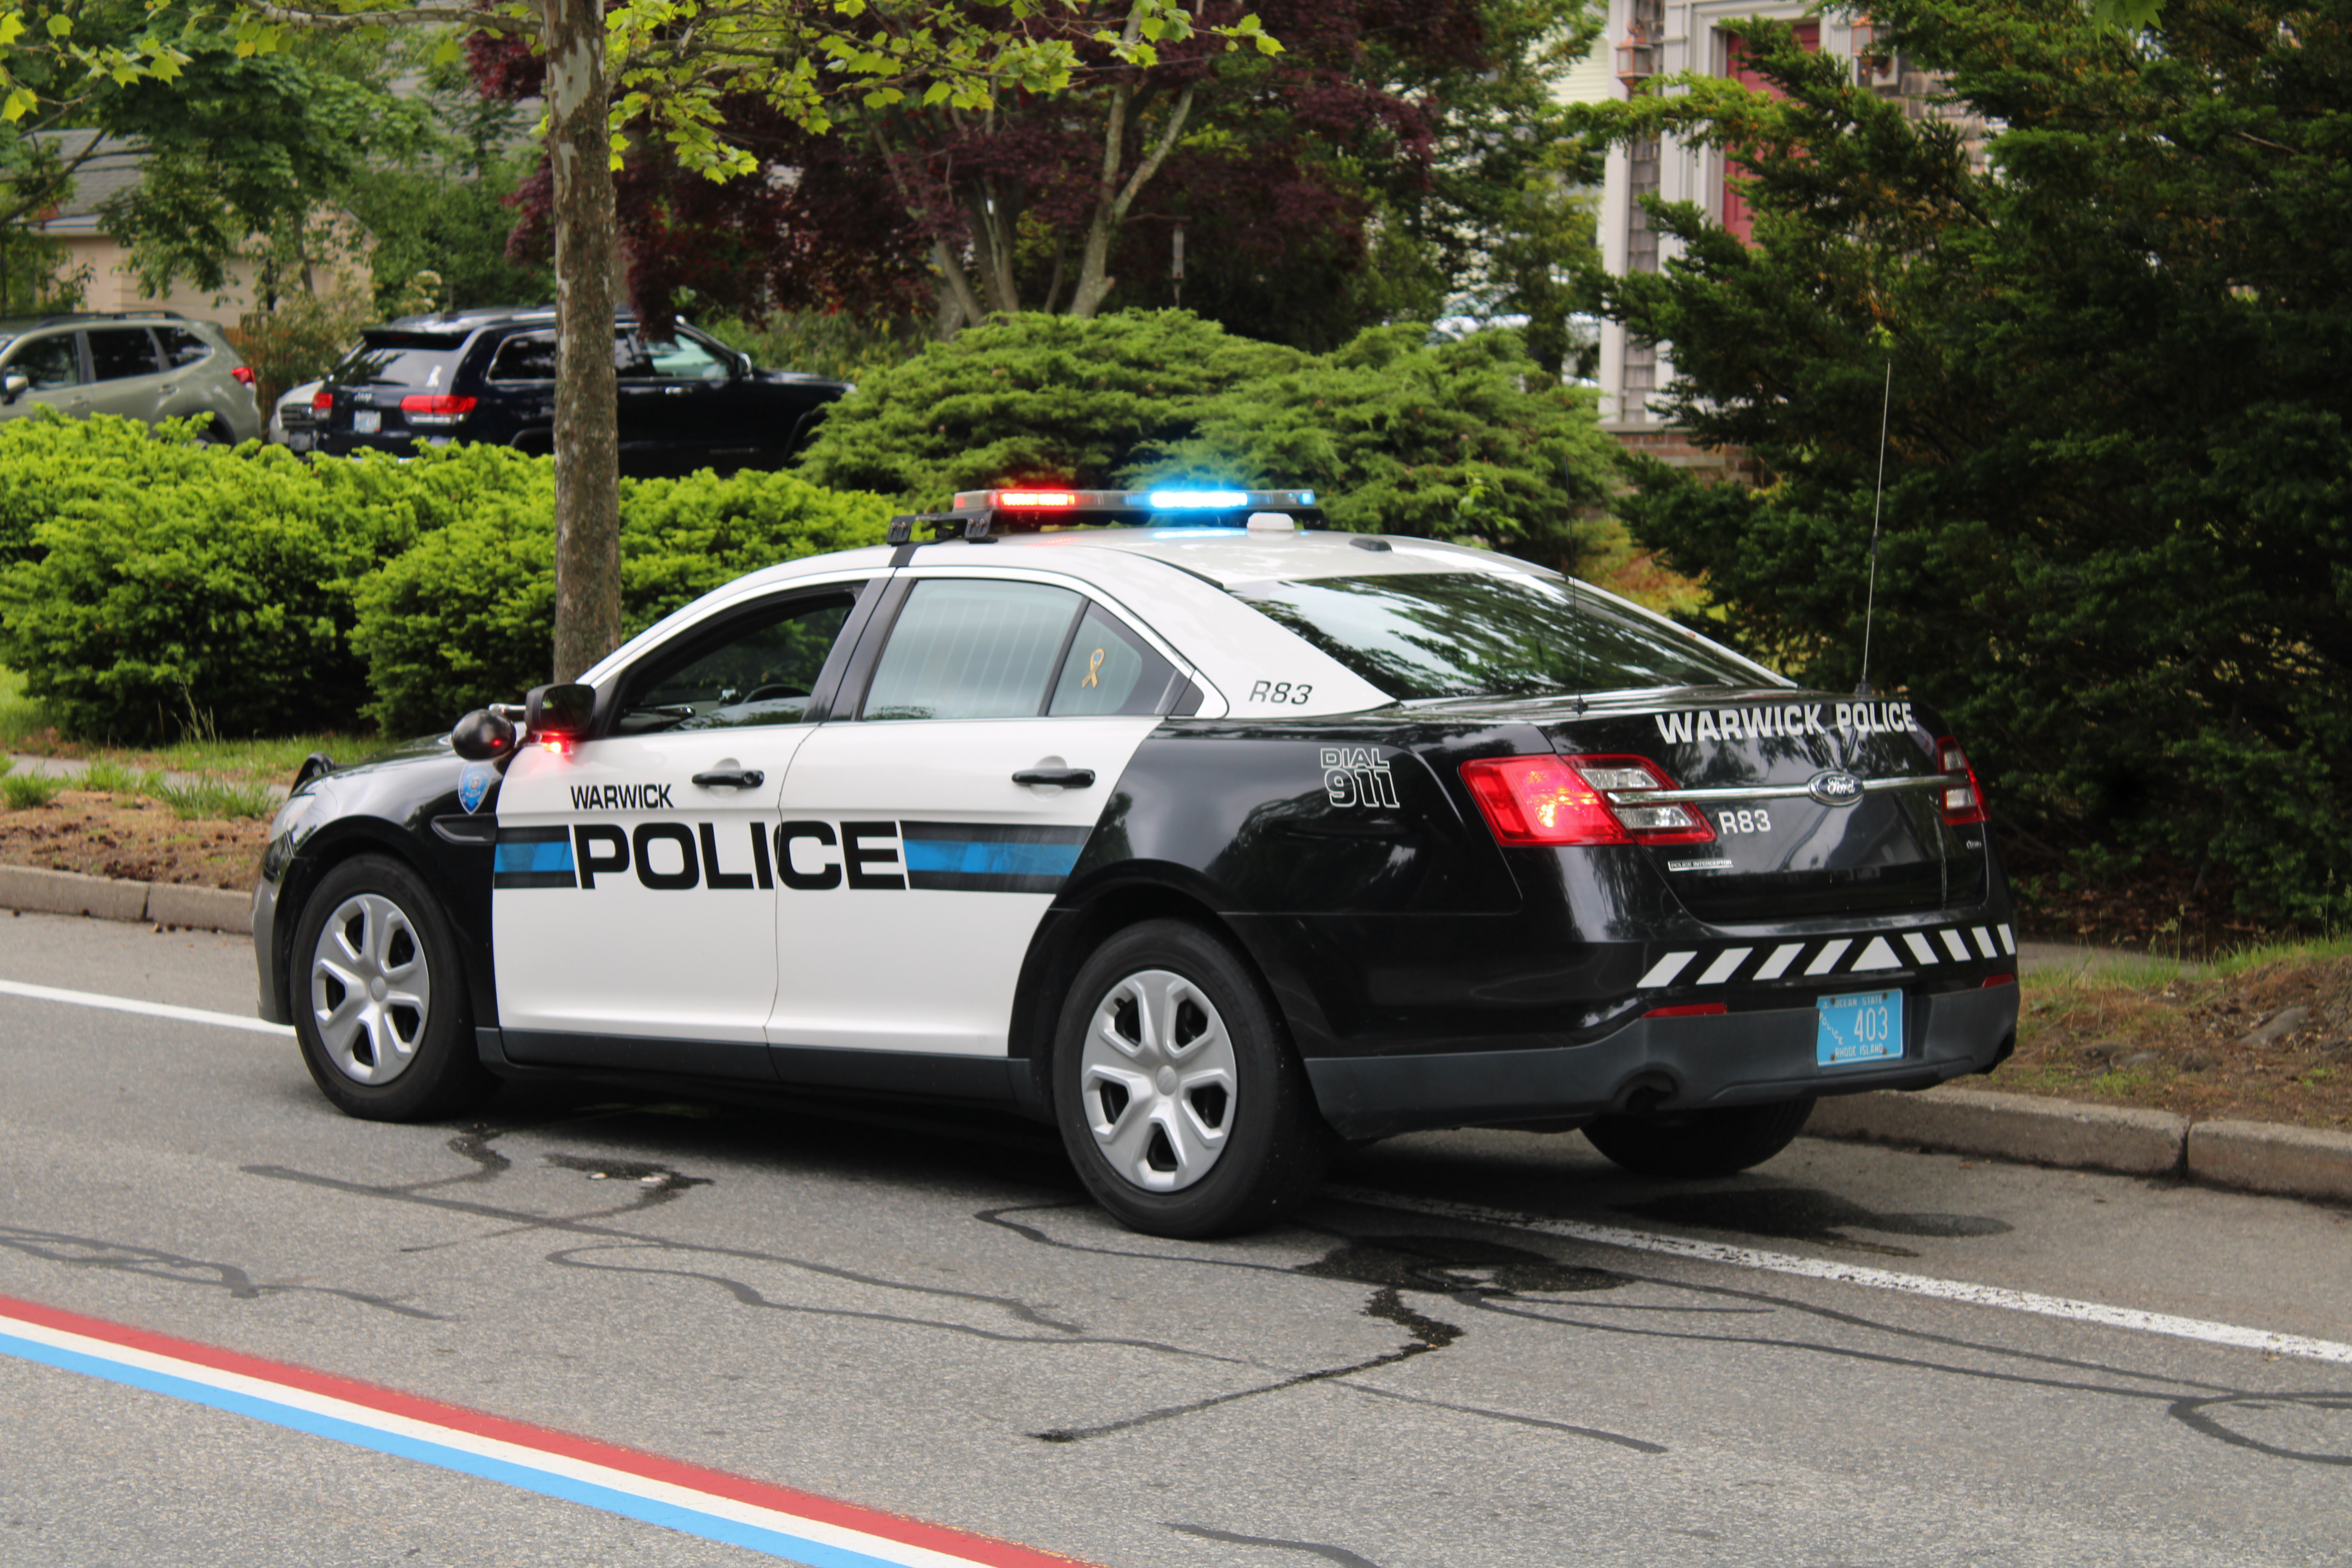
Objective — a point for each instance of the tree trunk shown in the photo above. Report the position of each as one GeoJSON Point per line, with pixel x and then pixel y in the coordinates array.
{"type": "Point", "coordinates": [587, 436]}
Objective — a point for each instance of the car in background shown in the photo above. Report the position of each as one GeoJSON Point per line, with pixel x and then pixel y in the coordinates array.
{"type": "Point", "coordinates": [293, 423]}
{"type": "Point", "coordinates": [150, 365]}
{"type": "Point", "coordinates": [686, 400]}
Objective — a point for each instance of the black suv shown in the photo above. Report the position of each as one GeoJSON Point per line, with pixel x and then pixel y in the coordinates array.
{"type": "Point", "coordinates": [686, 401]}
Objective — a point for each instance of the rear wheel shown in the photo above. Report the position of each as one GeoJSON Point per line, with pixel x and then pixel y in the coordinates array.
{"type": "Point", "coordinates": [1180, 1101]}
{"type": "Point", "coordinates": [379, 999]}
{"type": "Point", "coordinates": [1700, 1142]}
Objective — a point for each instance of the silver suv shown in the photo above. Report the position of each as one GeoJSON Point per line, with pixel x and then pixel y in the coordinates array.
{"type": "Point", "coordinates": [142, 364]}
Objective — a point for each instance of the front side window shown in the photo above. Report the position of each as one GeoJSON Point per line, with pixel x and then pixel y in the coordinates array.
{"type": "Point", "coordinates": [655, 359]}
{"type": "Point", "coordinates": [116, 352]}
{"type": "Point", "coordinates": [1492, 634]}
{"type": "Point", "coordinates": [51, 364]}
{"type": "Point", "coordinates": [756, 669]}
{"type": "Point", "coordinates": [972, 649]}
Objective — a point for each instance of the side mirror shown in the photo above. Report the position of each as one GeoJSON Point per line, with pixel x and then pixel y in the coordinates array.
{"type": "Point", "coordinates": [559, 711]}
{"type": "Point", "coordinates": [742, 364]}
{"type": "Point", "coordinates": [483, 736]}
{"type": "Point", "coordinates": [13, 386]}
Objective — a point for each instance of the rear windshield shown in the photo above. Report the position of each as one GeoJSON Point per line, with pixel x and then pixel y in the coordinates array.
{"type": "Point", "coordinates": [400, 359]}
{"type": "Point", "coordinates": [1492, 634]}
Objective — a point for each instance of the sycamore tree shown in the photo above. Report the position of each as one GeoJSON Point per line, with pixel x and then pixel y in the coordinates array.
{"type": "Point", "coordinates": [2109, 359]}
{"type": "Point", "coordinates": [658, 68]}
{"type": "Point", "coordinates": [1381, 158]}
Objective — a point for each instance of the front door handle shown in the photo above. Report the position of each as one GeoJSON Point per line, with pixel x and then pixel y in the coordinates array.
{"type": "Point", "coordinates": [730, 778]}
{"type": "Point", "coordinates": [1065, 778]}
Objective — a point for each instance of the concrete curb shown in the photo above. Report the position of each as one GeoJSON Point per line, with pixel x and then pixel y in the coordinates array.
{"type": "Point", "coordinates": [106, 897]}
{"type": "Point", "coordinates": [2253, 1156]}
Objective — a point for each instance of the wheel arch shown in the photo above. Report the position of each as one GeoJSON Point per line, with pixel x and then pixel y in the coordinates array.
{"type": "Point", "coordinates": [1075, 929]}
{"type": "Point", "coordinates": [345, 840]}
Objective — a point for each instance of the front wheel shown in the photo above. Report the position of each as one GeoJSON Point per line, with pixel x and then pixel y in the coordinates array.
{"type": "Point", "coordinates": [1179, 1099]}
{"type": "Point", "coordinates": [1718, 1143]}
{"type": "Point", "coordinates": [379, 1000]}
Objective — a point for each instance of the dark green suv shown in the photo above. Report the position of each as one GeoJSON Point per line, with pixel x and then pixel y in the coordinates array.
{"type": "Point", "coordinates": [142, 364]}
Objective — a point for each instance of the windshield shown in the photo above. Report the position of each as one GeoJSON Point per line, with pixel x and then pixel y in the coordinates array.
{"type": "Point", "coordinates": [1492, 634]}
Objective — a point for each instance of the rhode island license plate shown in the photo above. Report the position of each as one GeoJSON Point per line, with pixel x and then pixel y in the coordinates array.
{"type": "Point", "coordinates": [1862, 1026]}
{"type": "Point", "coordinates": [366, 421]}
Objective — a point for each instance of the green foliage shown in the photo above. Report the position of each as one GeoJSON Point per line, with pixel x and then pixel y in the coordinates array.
{"type": "Point", "coordinates": [23, 790]}
{"type": "Point", "coordinates": [466, 615]}
{"type": "Point", "coordinates": [1465, 440]}
{"type": "Point", "coordinates": [839, 344]}
{"type": "Point", "coordinates": [1031, 398]}
{"type": "Point", "coordinates": [51, 465]}
{"type": "Point", "coordinates": [2119, 458]}
{"type": "Point", "coordinates": [213, 800]}
{"type": "Point", "coordinates": [1458, 440]}
{"type": "Point", "coordinates": [182, 589]}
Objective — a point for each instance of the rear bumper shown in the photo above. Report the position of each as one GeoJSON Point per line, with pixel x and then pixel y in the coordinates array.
{"type": "Point", "coordinates": [1716, 1059]}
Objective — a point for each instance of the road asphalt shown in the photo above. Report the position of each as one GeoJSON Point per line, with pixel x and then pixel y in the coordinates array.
{"type": "Point", "coordinates": [2254, 1156]}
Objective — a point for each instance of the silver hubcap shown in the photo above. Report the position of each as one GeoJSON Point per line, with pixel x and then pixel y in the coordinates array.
{"type": "Point", "coordinates": [1158, 1079]}
{"type": "Point", "coordinates": [371, 993]}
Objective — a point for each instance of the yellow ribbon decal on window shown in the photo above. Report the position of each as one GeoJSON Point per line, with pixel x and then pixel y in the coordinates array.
{"type": "Point", "coordinates": [1093, 665]}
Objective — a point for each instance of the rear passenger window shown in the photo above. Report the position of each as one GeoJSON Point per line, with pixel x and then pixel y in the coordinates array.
{"type": "Point", "coordinates": [1109, 669]}
{"type": "Point", "coordinates": [181, 347]}
{"type": "Point", "coordinates": [525, 358]}
{"type": "Point", "coordinates": [968, 649]}
{"type": "Point", "coordinates": [119, 352]}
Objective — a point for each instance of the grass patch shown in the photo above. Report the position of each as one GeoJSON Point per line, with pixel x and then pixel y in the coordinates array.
{"type": "Point", "coordinates": [27, 726]}
{"type": "Point", "coordinates": [210, 799]}
{"type": "Point", "coordinates": [25, 790]}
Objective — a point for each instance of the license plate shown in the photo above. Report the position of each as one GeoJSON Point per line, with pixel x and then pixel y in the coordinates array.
{"type": "Point", "coordinates": [366, 421]}
{"type": "Point", "coordinates": [1861, 1027]}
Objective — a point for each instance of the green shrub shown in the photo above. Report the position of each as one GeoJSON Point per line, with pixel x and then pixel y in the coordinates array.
{"type": "Point", "coordinates": [188, 590]}
{"type": "Point", "coordinates": [1463, 440]}
{"type": "Point", "coordinates": [1031, 398]}
{"type": "Point", "coordinates": [151, 586]}
{"type": "Point", "coordinates": [210, 799]}
{"type": "Point", "coordinates": [466, 615]}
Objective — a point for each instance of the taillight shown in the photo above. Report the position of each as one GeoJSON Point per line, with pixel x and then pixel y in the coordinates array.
{"type": "Point", "coordinates": [436, 411]}
{"type": "Point", "coordinates": [322, 401]}
{"type": "Point", "coordinates": [1963, 803]}
{"type": "Point", "coordinates": [243, 373]}
{"type": "Point", "coordinates": [1561, 800]}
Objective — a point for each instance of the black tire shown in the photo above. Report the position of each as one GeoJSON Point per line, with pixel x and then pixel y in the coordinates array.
{"type": "Point", "coordinates": [1700, 1142]}
{"type": "Point", "coordinates": [405, 1050]}
{"type": "Point", "coordinates": [1231, 1088]}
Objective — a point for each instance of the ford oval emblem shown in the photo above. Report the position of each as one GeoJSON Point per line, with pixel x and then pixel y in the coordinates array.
{"type": "Point", "coordinates": [1834, 787]}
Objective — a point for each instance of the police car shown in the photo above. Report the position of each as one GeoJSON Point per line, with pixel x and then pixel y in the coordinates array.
{"type": "Point", "coordinates": [1215, 838]}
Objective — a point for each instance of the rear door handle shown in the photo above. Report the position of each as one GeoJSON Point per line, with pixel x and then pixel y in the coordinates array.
{"type": "Point", "coordinates": [730, 778]}
{"type": "Point", "coordinates": [1065, 778]}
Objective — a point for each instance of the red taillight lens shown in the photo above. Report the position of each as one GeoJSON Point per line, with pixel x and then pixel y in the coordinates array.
{"type": "Point", "coordinates": [244, 374]}
{"type": "Point", "coordinates": [436, 411]}
{"type": "Point", "coordinates": [1560, 800]}
{"type": "Point", "coordinates": [322, 401]}
{"type": "Point", "coordinates": [1965, 804]}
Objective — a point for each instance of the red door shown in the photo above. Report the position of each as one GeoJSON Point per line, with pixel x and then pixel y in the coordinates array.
{"type": "Point", "coordinates": [1735, 215]}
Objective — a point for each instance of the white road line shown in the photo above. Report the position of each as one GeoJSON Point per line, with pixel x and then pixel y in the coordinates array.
{"type": "Point", "coordinates": [149, 1009]}
{"type": "Point", "coordinates": [2228, 1334]}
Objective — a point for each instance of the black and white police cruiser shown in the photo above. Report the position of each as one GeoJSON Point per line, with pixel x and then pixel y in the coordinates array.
{"type": "Point", "coordinates": [1212, 837]}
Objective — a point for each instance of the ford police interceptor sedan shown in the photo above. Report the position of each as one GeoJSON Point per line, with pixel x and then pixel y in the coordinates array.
{"type": "Point", "coordinates": [1215, 838]}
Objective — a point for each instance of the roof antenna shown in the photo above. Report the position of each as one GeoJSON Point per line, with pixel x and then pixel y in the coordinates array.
{"type": "Point", "coordinates": [1870, 603]}
{"type": "Point", "coordinates": [1576, 614]}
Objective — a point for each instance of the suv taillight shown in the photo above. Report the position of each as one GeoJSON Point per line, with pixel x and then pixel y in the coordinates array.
{"type": "Point", "coordinates": [322, 401]}
{"type": "Point", "coordinates": [243, 374]}
{"type": "Point", "coordinates": [436, 411]}
{"type": "Point", "coordinates": [1562, 800]}
{"type": "Point", "coordinates": [1964, 803]}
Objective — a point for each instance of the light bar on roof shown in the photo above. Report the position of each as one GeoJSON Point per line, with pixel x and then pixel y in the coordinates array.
{"type": "Point", "coordinates": [1193, 501]}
